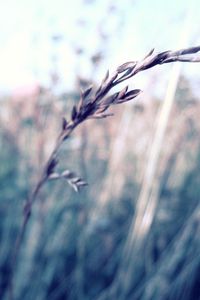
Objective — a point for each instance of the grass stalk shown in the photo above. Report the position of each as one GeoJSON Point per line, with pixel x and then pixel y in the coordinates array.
{"type": "Point", "coordinates": [93, 104]}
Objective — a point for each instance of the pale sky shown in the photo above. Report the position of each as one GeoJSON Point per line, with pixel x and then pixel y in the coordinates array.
{"type": "Point", "coordinates": [28, 54]}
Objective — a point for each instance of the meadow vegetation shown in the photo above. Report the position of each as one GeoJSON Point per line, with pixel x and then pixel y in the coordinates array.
{"type": "Point", "coordinates": [78, 241]}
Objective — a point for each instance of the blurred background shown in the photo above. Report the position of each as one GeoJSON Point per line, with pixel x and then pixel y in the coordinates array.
{"type": "Point", "coordinates": [133, 232]}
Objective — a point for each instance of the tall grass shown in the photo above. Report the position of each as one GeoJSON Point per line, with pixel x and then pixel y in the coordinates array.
{"type": "Point", "coordinates": [94, 247]}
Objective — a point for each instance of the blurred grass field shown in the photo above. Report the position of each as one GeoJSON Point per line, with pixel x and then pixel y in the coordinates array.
{"type": "Point", "coordinates": [134, 232]}
{"type": "Point", "coordinates": [79, 246]}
